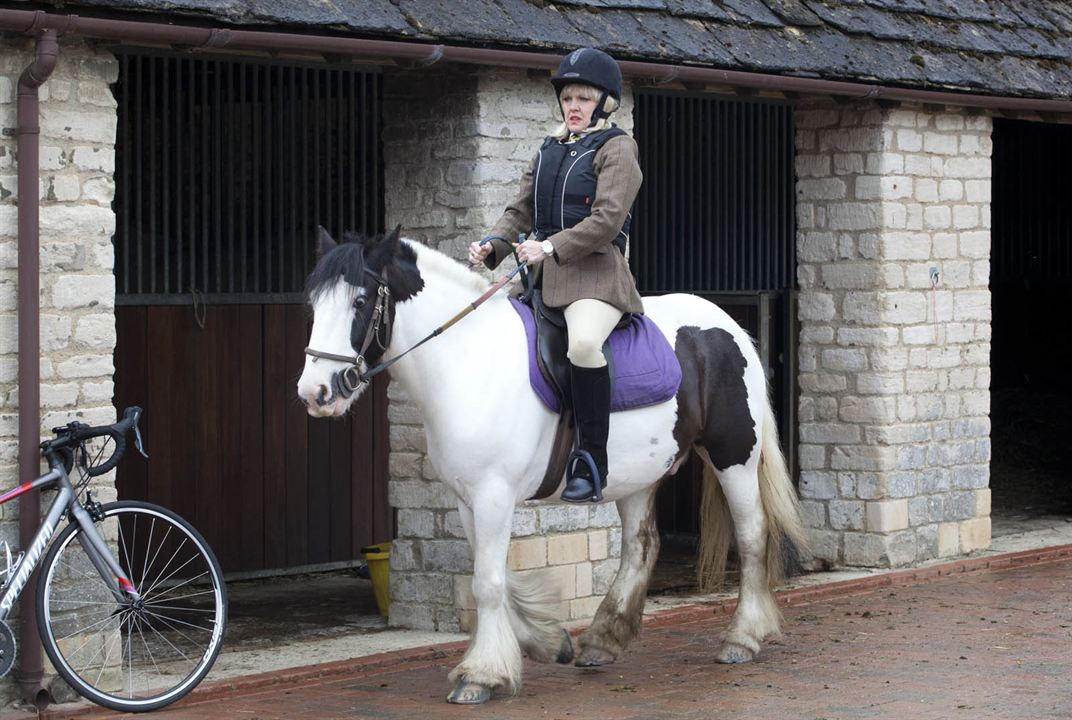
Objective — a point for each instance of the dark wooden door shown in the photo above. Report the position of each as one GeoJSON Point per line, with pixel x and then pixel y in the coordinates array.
{"type": "Point", "coordinates": [232, 449]}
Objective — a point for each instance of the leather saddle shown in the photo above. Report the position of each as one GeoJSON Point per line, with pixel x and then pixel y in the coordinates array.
{"type": "Point", "coordinates": [551, 345]}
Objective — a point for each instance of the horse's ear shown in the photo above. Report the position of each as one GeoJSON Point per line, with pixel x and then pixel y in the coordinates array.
{"type": "Point", "coordinates": [392, 240]}
{"type": "Point", "coordinates": [325, 243]}
{"type": "Point", "coordinates": [384, 251]}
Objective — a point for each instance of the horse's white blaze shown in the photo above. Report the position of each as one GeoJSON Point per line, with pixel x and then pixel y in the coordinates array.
{"type": "Point", "coordinates": [333, 314]}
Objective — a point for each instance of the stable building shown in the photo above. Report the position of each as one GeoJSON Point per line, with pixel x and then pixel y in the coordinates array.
{"type": "Point", "coordinates": [877, 190]}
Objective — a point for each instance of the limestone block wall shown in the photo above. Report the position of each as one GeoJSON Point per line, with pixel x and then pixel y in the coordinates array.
{"type": "Point", "coordinates": [78, 127]}
{"type": "Point", "coordinates": [455, 143]}
{"type": "Point", "coordinates": [893, 244]}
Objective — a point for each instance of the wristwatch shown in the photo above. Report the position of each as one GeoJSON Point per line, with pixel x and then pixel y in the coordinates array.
{"type": "Point", "coordinates": [548, 248]}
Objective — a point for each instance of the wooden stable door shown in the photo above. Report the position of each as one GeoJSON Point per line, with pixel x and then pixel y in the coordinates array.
{"type": "Point", "coordinates": [232, 449]}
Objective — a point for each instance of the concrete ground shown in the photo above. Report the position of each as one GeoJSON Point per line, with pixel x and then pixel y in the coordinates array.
{"type": "Point", "coordinates": [321, 655]}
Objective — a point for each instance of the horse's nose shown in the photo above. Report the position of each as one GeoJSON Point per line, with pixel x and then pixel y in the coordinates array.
{"type": "Point", "coordinates": [323, 395]}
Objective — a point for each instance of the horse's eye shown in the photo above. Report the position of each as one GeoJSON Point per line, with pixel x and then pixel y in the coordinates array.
{"type": "Point", "coordinates": [359, 303]}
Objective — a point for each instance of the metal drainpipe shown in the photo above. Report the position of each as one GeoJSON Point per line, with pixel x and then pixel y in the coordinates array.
{"type": "Point", "coordinates": [28, 149]}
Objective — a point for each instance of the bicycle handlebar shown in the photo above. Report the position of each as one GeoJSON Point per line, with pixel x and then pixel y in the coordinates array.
{"type": "Point", "coordinates": [76, 433]}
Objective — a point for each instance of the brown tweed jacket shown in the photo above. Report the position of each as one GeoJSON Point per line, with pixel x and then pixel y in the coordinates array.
{"type": "Point", "coordinates": [587, 264]}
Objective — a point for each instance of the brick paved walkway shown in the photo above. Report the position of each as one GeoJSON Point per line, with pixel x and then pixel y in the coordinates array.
{"type": "Point", "coordinates": [995, 642]}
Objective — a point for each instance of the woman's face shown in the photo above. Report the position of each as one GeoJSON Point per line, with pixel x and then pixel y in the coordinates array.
{"type": "Point", "coordinates": [577, 110]}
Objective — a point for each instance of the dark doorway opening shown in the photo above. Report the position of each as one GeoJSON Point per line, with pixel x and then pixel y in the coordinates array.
{"type": "Point", "coordinates": [715, 217]}
{"type": "Point", "coordinates": [224, 169]}
{"type": "Point", "coordinates": [1030, 281]}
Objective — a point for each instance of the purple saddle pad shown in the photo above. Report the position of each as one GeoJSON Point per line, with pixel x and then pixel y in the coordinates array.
{"type": "Point", "coordinates": [646, 370]}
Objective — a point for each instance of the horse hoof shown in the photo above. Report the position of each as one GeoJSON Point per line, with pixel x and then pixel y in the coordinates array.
{"type": "Point", "coordinates": [732, 654]}
{"type": "Point", "coordinates": [594, 657]}
{"type": "Point", "coordinates": [469, 693]}
{"type": "Point", "coordinates": [565, 652]}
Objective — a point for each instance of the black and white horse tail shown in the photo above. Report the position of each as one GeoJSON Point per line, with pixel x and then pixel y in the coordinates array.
{"type": "Point", "coordinates": [786, 539]}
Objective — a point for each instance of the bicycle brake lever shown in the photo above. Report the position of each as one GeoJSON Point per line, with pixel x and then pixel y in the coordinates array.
{"type": "Point", "coordinates": [138, 443]}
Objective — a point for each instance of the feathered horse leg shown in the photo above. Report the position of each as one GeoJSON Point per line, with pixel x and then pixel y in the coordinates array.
{"type": "Point", "coordinates": [493, 659]}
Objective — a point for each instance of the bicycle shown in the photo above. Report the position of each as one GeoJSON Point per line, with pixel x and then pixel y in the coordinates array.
{"type": "Point", "coordinates": [131, 605]}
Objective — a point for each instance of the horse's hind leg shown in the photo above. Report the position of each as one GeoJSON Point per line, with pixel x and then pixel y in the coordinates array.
{"type": "Point", "coordinates": [618, 618]}
{"type": "Point", "coordinates": [757, 615]}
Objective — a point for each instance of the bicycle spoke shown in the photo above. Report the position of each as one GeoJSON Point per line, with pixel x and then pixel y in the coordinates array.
{"type": "Point", "coordinates": [168, 564]}
{"type": "Point", "coordinates": [165, 638]}
{"type": "Point", "coordinates": [189, 580]}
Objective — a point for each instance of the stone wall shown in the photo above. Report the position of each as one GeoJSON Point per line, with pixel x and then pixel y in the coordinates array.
{"type": "Point", "coordinates": [455, 143]}
{"type": "Point", "coordinates": [893, 245]}
{"type": "Point", "coordinates": [78, 125]}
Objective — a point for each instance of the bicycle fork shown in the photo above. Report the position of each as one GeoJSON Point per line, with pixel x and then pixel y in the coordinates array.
{"type": "Point", "coordinates": [102, 557]}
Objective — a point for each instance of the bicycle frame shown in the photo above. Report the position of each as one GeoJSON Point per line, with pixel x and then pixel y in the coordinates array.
{"type": "Point", "coordinates": [94, 544]}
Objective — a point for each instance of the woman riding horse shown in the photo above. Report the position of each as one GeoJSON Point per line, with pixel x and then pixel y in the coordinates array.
{"type": "Point", "coordinates": [578, 195]}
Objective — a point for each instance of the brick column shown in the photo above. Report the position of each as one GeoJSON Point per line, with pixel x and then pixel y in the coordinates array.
{"type": "Point", "coordinates": [78, 125]}
{"type": "Point", "coordinates": [893, 250]}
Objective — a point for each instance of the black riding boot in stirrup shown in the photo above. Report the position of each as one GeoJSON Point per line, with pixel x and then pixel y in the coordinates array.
{"type": "Point", "coordinates": [587, 467]}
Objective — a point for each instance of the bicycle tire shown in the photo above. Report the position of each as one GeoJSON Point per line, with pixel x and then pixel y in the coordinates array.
{"type": "Point", "coordinates": [122, 656]}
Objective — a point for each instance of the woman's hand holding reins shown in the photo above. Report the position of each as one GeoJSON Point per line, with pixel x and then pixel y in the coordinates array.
{"type": "Point", "coordinates": [530, 251]}
{"type": "Point", "coordinates": [478, 252]}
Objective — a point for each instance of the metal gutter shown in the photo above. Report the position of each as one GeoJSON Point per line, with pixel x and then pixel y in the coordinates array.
{"type": "Point", "coordinates": [28, 148]}
{"type": "Point", "coordinates": [420, 53]}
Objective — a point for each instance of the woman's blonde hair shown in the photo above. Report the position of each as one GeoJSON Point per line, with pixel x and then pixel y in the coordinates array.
{"type": "Point", "coordinates": [587, 92]}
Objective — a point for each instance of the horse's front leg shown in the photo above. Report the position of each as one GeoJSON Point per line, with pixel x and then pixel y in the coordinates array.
{"type": "Point", "coordinates": [494, 656]}
{"type": "Point", "coordinates": [618, 618]}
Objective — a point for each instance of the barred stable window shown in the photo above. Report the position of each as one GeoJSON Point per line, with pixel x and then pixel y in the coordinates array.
{"type": "Point", "coordinates": [225, 167]}
{"type": "Point", "coordinates": [715, 212]}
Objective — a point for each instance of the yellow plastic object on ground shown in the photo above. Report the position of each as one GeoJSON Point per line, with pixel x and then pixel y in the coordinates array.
{"type": "Point", "coordinates": [378, 557]}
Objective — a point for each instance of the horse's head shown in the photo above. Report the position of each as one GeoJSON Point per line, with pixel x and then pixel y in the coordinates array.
{"type": "Point", "coordinates": [352, 291]}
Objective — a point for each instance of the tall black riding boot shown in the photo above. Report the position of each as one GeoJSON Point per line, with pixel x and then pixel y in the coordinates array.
{"type": "Point", "coordinates": [591, 407]}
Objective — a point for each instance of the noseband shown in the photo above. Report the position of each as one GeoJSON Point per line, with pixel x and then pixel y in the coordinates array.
{"type": "Point", "coordinates": [354, 377]}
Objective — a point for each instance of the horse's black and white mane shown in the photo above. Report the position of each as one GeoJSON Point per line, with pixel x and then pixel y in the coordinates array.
{"type": "Point", "coordinates": [360, 260]}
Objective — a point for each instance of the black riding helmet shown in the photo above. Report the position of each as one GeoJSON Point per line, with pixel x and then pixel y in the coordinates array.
{"type": "Point", "coordinates": [589, 66]}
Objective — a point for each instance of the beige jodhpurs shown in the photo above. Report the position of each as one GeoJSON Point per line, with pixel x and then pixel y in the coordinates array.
{"type": "Point", "coordinates": [589, 322]}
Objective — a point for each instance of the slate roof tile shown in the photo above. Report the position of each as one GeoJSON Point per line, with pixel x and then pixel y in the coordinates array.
{"type": "Point", "coordinates": [865, 58]}
{"type": "Point", "coordinates": [612, 30]}
{"type": "Point", "coordinates": [702, 9]}
{"type": "Point", "coordinates": [657, 37]}
{"type": "Point", "coordinates": [618, 4]}
{"type": "Point", "coordinates": [959, 70]}
{"type": "Point", "coordinates": [768, 50]}
{"type": "Point", "coordinates": [1031, 15]}
{"type": "Point", "coordinates": [473, 21]}
{"type": "Point", "coordinates": [228, 10]}
{"type": "Point", "coordinates": [752, 12]}
{"type": "Point", "coordinates": [974, 10]}
{"type": "Point", "coordinates": [372, 15]}
{"type": "Point", "coordinates": [1060, 15]}
{"type": "Point", "coordinates": [794, 12]}
{"type": "Point", "coordinates": [555, 29]}
{"type": "Point", "coordinates": [1027, 42]}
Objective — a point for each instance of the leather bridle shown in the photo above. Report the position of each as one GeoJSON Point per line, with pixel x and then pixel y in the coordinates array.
{"type": "Point", "coordinates": [357, 375]}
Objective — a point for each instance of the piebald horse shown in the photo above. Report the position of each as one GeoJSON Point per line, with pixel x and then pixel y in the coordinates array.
{"type": "Point", "coordinates": [489, 438]}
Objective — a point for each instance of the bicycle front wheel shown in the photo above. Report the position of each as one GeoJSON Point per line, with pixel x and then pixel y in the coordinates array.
{"type": "Point", "coordinates": [131, 655]}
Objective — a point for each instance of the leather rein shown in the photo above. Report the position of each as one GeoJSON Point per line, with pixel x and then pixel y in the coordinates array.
{"type": "Point", "coordinates": [357, 374]}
